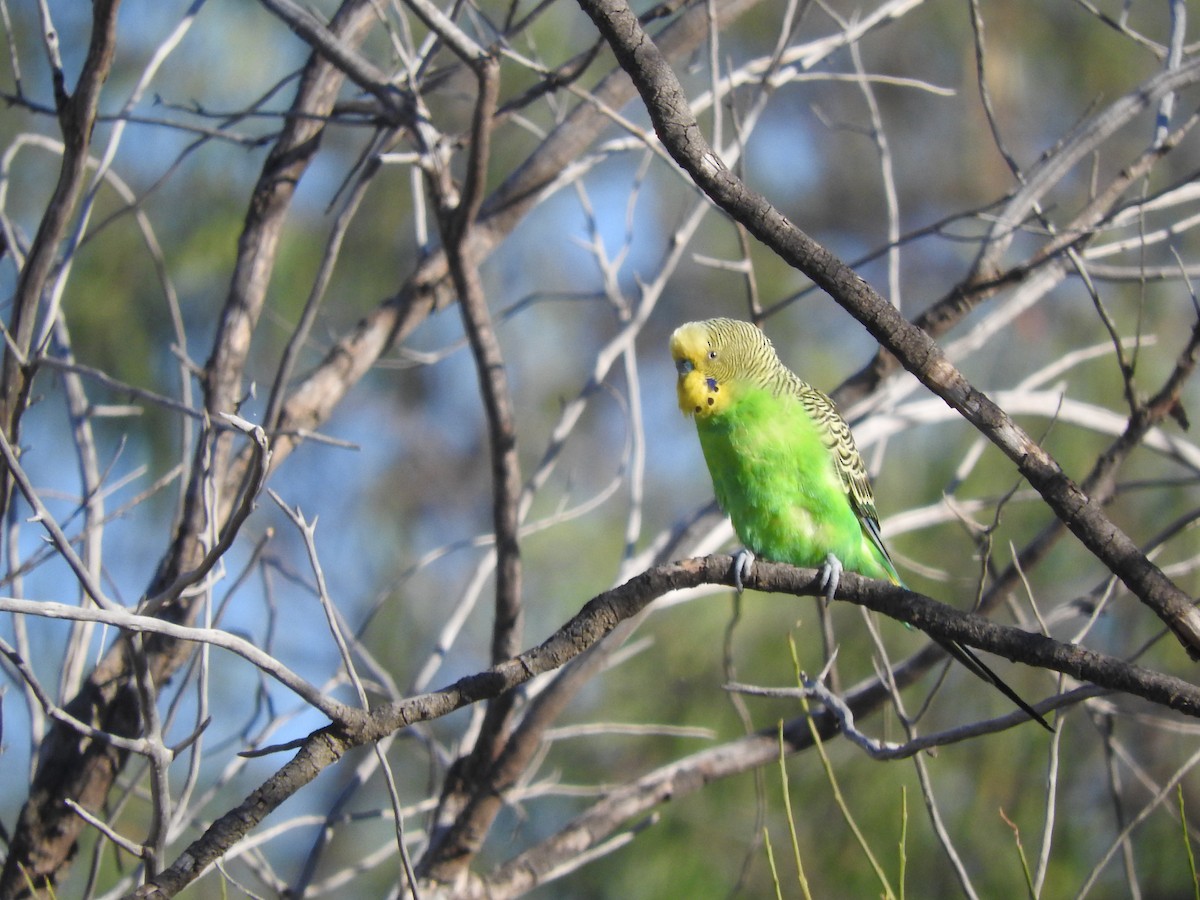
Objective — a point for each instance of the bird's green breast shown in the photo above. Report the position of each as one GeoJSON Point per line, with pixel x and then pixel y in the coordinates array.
{"type": "Point", "coordinates": [775, 478]}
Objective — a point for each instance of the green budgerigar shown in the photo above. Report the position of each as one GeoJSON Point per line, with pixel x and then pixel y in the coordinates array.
{"type": "Point", "coordinates": [784, 465]}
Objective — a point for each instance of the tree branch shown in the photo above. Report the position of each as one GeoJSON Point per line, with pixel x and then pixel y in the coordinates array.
{"type": "Point", "coordinates": [461, 823]}
{"type": "Point", "coordinates": [119, 617]}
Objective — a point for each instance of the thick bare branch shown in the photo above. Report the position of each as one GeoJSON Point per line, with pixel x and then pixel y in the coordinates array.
{"type": "Point", "coordinates": [603, 613]}
{"type": "Point", "coordinates": [681, 135]}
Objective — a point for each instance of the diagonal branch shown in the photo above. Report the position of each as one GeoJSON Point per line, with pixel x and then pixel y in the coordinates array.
{"type": "Point", "coordinates": [681, 135]}
{"type": "Point", "coordinates": [602, 614]}
{"type": "Point", "coordinates": [948, 311]}
{"type": "Point", "coordinates": [340, 48]}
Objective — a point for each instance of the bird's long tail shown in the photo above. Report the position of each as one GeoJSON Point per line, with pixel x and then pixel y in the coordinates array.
{"type": "Point", "coordinates": [967, 657]}
{"type": "Point", "coordinates": [960, 652]}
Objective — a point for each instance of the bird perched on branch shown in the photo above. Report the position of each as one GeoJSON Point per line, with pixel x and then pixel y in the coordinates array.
{"type": "Point", "coordinates": [784, 465]}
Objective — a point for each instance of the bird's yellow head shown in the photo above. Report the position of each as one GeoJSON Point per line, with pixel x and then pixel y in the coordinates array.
{"type": "Point", "coordinates": [716, 360]}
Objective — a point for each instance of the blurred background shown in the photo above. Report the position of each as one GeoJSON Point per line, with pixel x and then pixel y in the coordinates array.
{"type": "Point", "coordinates": [867, 126]}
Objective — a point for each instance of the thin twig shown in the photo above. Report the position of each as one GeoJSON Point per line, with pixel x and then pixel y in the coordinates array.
{"type": "Point", "coordinates": [118, 617]}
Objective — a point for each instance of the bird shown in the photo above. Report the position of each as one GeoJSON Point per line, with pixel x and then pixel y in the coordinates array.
{"type": "Point", "coordinates": [784, 466]}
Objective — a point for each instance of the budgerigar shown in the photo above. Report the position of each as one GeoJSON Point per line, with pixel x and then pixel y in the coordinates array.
{"type": "Point", "coordinates": [784, 465]}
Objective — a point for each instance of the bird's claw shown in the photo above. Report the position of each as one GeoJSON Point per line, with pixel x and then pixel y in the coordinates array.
{"type": "Point", "coordinates": [831, 575]}
{"type": "Point", "coordinates": [743, 562]}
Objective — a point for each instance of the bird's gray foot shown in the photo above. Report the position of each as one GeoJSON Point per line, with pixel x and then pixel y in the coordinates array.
{"type": "Point", "coordinates": [831, 574]}
{"type": "Point", "coordinates": [743, 562]}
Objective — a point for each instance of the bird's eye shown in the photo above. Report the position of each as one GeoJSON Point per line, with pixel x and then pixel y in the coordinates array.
{"type": "Point", "coordinates": [683, 366]}
{"type": "Point", "coordinates": [712, 354]}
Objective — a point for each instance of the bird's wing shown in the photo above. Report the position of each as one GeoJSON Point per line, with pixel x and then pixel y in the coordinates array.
{"type": "Point", "coordinates": [846, 458]}
{"type": "Point", "coordinates": [849, 465]}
